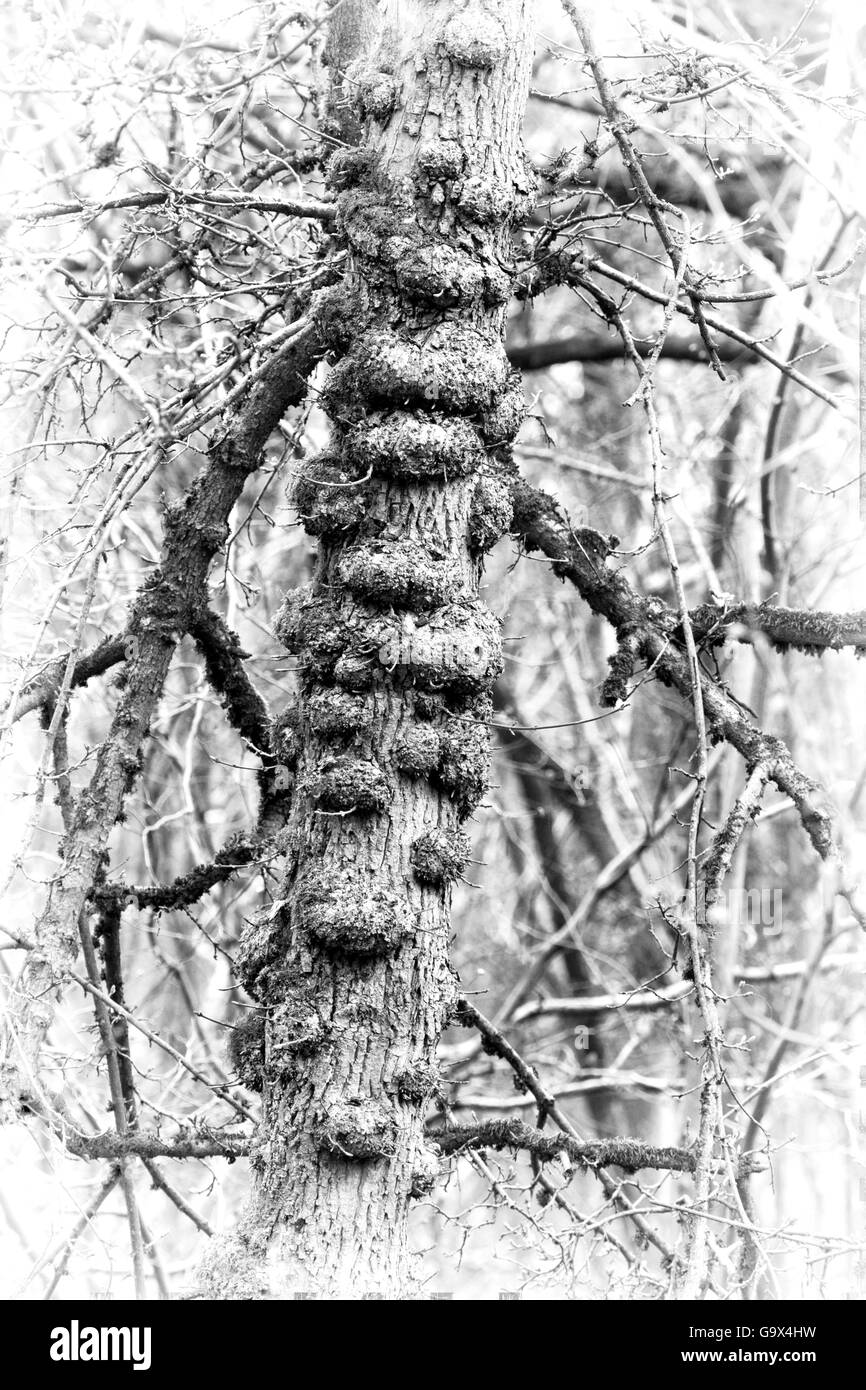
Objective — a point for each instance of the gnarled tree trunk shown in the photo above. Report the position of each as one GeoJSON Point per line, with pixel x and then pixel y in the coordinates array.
{"type": "Point", "coordinates": [388, 745]}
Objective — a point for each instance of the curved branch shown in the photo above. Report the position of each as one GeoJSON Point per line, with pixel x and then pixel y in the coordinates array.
{"type": "Point", "coordinates": [44, 688]}
{"type": "Point", "coordinates": [223, 658]}
{"type": "Point", "coordinates": [578, 556]}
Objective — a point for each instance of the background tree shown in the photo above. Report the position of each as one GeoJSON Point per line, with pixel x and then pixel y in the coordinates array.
{"type": "Point", "coordinates": [289, 264]}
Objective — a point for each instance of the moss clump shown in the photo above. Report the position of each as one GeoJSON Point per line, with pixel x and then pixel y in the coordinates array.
{"type": "Point", "coordinates": [369, 218]}
{"type": "Point", "coordinates": [441, 160]}
{"type": "Point", "coordinates": [312, 629]}
{"type": "Point", "coordinates": [262, 946]}
{"type": "Point", "coordinates": [427, 705]}
{"type": "Point", "coordinates": [294, 1030]}
{"type": "Point", "coordinates": [376, 96]}
{"type": "Point", "coordinates": [459, 650]}
{"type": "Point", "coordinates": [464, 760]}
{"type": "Point", "coordinates": [486, 201]}
{"type": "Point", "coordinates": [424, 1180]}
{"type": "Point", "coordinates": [246, 1049]}
{"type": "Point", "coordinates": [330, 499]}
{"type": "Point", "coordinates": [614, 690]}
{"type": "Point", "coordinates": [358, 1129]}
{"type": "Point", "coordinates": [350, 918]}
{"type": "Point", "coordinates": [350, 784]}
{"type": "Point", "coordinates": [491, 512]}
{"type": "Point", "coordinates": [419, 1082]}
{"type": "Point", "coordinates": [475, 39]}
{"type": "Point", "coordinates": [501, 422]}
{"type": "Point", "coordinates": [287, 623]}
{"type": "Point", "coordinates": [337, 713]}
{"type": "Point", "coordinates": [425, 267]}
{"type": "Point", "coordinates": [236, 1268]}
{"type": "Point", "coordinates": [335, 312]}
{"type": "Point", "coordinates": [284, 737]}
{"type": "Point", "coordinates": [399, 573]}
{"type": "Point", "coordinates": [354, 671]}
{"type": "Point", "coordinates": [454, 366]}
{"type": "Point", "coordinates": [417, 752]}
{"type": "Point", "coordinates": [443, 275]}
{"type": "Point", "coordinates": [440, 856]}
{"type": "Point", "coordinates": [349, 167]}
{"type": "Point", "coordinates": [400, 445]}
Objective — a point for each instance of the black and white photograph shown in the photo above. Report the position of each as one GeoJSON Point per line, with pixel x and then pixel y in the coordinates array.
{"type": "Point", "coordinates": [432, 615]}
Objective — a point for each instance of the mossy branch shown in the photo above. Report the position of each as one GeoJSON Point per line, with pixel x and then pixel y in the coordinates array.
{"type": "Point", "coordinates": [542, 525]}
{"type": "Point", "coordinates": [236, 853]}
{"type": "Point", "coordinates": [632, 1155]}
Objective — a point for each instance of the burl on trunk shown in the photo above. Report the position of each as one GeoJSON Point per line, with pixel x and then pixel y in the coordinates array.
{"type": "Point", "coordinates": [388, 743]}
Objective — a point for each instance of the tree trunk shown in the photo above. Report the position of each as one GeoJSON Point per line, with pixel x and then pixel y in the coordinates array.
{"type": "Point", "coordinates": [388, 745]}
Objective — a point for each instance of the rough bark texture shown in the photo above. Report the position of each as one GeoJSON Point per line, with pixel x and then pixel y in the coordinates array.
{"type": "Point", "coordinates": [396, 655]}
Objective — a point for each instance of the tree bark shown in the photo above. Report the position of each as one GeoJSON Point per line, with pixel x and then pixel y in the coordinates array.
{"type": "Point", "coordinates": [388, 744]}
